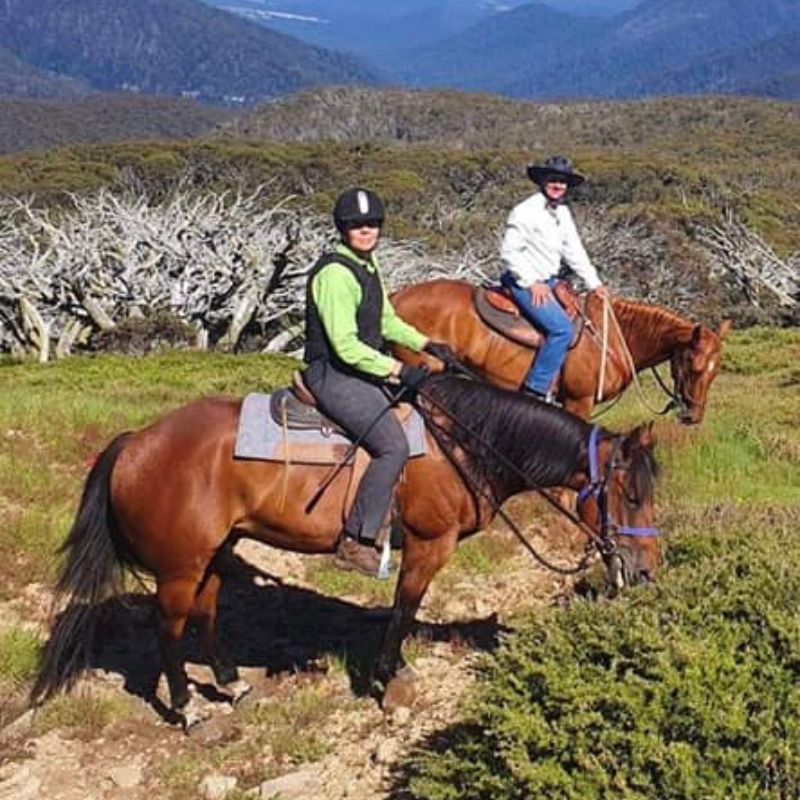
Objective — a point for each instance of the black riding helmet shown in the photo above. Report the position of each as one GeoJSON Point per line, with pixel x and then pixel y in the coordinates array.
{"type": "Point", "coordinates": [357, 207]}
{"type": "Point", "coordinates": [559, 167]}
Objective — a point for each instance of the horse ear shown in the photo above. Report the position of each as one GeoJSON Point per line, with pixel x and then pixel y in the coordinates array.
{"type": "Point", "coordinates": [724, 328]}
{"type": "Point", "coordinates": [646, 436]}
{"type": "Point", "coordinates": [697, 334]}
{"type": "Point", "coordinates": [641, 436]}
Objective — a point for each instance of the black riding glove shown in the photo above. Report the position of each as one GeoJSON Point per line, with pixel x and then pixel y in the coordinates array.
{"type": "Point", "coordinates": [443, 352]}
{"type": "Point", "coordinates": [412, 377]}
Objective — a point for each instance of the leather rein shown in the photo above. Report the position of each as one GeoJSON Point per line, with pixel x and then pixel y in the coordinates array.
{"type": "Point", "coordinates": [604, 542]}
{"type": "Point", "coordinates": [677, 399]}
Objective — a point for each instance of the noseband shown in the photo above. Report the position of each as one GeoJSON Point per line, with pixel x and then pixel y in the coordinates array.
{"type": "Point", "coordinates": [598, 488]}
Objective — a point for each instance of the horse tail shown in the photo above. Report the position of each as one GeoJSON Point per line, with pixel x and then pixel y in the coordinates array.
{"type": "Point", "coordinates": [96, 557]}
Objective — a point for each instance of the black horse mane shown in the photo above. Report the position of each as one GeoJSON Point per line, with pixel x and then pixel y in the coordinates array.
{"type": "Point", "coordinates": [546, 444]}
{"type": "Point", "coordinates": [643, 472]}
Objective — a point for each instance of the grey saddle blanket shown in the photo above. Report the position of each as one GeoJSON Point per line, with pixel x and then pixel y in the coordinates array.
{"type": "Point", "coordinates": [260, 437]}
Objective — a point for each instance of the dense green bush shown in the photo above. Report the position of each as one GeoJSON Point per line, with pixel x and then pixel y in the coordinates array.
{"type": "Point", "coordinates": [689, 690]}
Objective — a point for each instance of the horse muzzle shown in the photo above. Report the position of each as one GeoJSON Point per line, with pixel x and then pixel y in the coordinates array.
{"type": "Point", "coordinates": [691, 413]}
{"type": "Point", "coordinates": [623, 571]}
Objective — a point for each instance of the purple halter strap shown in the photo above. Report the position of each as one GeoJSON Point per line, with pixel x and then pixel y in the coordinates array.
{"type": "Point", "coordinates": [597, 487]}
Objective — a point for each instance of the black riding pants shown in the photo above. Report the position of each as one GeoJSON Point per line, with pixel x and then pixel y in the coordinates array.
{"type": "Point", "coordinates": [353, 403]}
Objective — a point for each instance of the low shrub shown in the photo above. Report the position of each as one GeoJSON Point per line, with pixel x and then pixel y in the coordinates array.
{"type": "Point", "coordinates": [689, 690]}
{"type": "Point", "coordinates": [139, 335]}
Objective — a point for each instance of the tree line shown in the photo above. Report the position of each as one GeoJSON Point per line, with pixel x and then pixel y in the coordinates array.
{"type": "Point", "coordinates": [220, 266]}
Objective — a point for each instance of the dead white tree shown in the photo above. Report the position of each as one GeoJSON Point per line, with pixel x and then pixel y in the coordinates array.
{"type": "Point", "coordinates": [219, 261]}
{"type": "Point", "coordinates": [635, 260]}
{"type": "Point", "coordinates": [222, 262]}
{"type": "Point", "coordinates": [740, 253]}
{"type": "Point", "coordinates": [232, 262]}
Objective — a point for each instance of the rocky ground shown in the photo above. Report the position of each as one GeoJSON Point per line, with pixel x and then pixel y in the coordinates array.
{"type": "Point", "coordinates": [308, 729]}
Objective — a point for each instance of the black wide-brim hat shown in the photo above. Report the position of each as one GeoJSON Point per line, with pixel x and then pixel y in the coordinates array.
{"type": "Point", "coordinates": [555, 167]}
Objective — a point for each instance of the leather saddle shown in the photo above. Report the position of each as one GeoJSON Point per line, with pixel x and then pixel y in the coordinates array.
{"type": "Point", "coordinates": [295, 407]}
{"type": "Point", "coordinates": [498, 310]}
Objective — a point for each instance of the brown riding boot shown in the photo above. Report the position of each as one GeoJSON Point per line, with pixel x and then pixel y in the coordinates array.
{"type": "Point", "coordinates": [351, 554]}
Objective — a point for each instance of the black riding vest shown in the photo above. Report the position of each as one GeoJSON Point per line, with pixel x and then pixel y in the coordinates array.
{"type": "Point", "coordinates": [368, 316]}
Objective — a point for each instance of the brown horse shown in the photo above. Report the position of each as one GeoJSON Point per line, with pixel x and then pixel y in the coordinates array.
{"type": "Point", "coordinates": [169, 499]}
{"type": "Point", "coordinates": [445, 311]}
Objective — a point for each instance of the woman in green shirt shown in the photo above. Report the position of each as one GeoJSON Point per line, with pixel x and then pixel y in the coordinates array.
{"type": "Point", "coordinates": [349, 319]}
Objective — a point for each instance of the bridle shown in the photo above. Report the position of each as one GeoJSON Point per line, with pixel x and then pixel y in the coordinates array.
{"type": "Point", "coordinates": [604, 541]}
{"type": "Point", "coordinates": [597, 488]}
{"type": "Point", "coordinates": [680, 397]}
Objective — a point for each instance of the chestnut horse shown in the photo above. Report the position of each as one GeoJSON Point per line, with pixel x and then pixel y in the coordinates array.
{"type": "Point", "coordinates": [445, 311]}
{"type": "Point", "coordinates": [169, 498]}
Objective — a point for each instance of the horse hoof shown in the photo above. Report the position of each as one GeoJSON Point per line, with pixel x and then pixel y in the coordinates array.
{"type": "Point", "coordinates": [401, 692]}
{"type": "Point", "coordinates": [192, 714]}
{"type": "Point", "coordinates": [377, 689]}
{"type": "Point", "coordinates": [238, 690]}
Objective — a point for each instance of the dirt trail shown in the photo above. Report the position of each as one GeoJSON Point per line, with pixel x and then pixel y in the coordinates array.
{"type": "Point", "coordinates": [306, 655]}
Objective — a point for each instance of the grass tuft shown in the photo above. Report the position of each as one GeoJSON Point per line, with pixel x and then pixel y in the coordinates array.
{"type": "Point", "coordinates": [20, 653]}
{"type": "Point", "coordinates": [84, 714]}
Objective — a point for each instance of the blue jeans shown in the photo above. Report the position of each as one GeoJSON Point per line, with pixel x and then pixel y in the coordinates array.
{"type": "Point", "coordinates": [551, 319]}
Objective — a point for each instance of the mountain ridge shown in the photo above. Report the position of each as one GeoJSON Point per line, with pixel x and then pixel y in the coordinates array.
{"type": "Point", "coordinates": [621, 57]}
{"type": "Point", "coordinates": [191, 48]}
{"type": "Point", "coordinates": [465, 120]}
{"type": "Point", "coordinates": [171, 47]}
{"type": "Point", "coordinates": [19, 78]}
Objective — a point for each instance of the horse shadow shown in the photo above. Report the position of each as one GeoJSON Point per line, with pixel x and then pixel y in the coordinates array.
{"type": "Point", "coordinates": [267, 625]}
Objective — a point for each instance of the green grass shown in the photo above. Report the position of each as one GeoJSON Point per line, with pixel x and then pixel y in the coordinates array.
{"type": "Point", "coordinates": [481, 556]}
{"type": "Point", "coordinates": [747, 449]}
{"type": "Point", "coordinates": [477, 557]}
{"type": "Point", "coordinates": [20, 651]}
{"type": "Point", "coordinates": [292, 726]}
{"type": "Point", "coordinates": [54, 418]}
{"type": "Point", "coordinates": [332, 580]}
{"type": "Point", "coordinates": [83, 714]}
{"type": "Point", "coordinates": [760, 351]}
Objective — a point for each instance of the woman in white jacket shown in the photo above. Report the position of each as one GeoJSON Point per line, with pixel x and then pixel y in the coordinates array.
{"type": "Point", "coordinates": [540, 234]}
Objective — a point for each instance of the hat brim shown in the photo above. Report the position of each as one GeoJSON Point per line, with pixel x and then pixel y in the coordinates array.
{"type": "Point", "coordinates": [538, 174]}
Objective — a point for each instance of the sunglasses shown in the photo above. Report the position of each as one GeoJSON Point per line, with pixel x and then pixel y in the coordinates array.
{"type": "Point", "coordinates": [364, 223]}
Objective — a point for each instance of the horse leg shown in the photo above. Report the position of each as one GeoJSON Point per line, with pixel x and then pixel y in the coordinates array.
{"type": "Point", "coordinates": [422, 559]}
{"type": "Point", "coordinates": [204, 612]}
{"type": "Point", "coordinates": [176, 598]}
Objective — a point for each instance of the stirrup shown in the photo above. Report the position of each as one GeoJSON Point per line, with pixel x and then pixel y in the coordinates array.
{"type": "Point", "coordinates": [548, 398]}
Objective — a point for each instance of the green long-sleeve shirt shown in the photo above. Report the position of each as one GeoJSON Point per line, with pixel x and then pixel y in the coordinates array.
{"type": "Point", "coordinates": [337, 295]}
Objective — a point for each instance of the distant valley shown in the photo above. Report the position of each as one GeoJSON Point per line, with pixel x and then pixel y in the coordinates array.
{"type": "Point", "coordinates": [561, 48]}
{"type": "Point", "coordinates": [557, 49]}
{"type": "Point", "coordinates": [659, 47]}
{"type": "Point", "coordinates": [384, 32]}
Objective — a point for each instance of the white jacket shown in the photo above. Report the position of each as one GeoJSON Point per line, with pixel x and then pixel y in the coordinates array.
{"type": "Point", "coordinates": [536, 241]}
